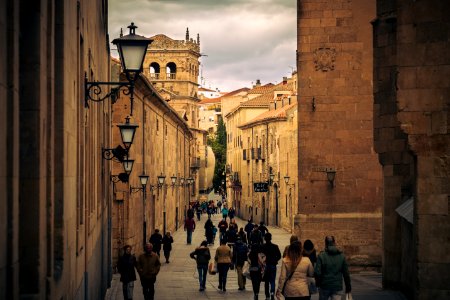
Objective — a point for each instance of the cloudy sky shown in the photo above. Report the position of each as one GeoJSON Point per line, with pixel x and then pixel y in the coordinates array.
{"type": "Point", "coordinates": [244, 40]}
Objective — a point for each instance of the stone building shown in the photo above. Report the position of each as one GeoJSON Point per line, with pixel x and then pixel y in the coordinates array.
{"type": "Point", "coordinates": [209, 114]}
{"type": "Point", "coordinates": [340, 178]}
{"type": "Point", "coordinates": [172, 66]}
{"type": "Point", "coordinates": [411, 88]}
{"type": "Point", "coordinates": [270, 148]}
{"type": "Point", "coordinates": [255, 129]}
{"type": "Point", "coordinates": [54, 183]}
{"type": "Point", "coordinates": [162, 147]}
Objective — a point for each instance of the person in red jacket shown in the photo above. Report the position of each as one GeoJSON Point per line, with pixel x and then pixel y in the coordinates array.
{"type": "Point", "coordinates": [189, 227]}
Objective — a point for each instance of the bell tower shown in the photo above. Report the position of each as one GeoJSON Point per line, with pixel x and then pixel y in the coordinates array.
{"type": "Point", "coordinates": [172, 66]}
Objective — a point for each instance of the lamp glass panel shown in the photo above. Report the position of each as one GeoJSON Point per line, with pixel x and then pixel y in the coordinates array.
{"type": "Point", "coordinates": [173, 179]}
{"type": "Point", "coordinates": [286, 179]}
{"type": "Point", "coordinates": [181, 180]}
{"type": "Point", "coordinates": [272, 176]}
{"type": "Point", "coordinates": [143, 179]}
{"type": "Point", "coordinates": [161, 179]}
{"type": "Point", "coordinates": [128, 165]}
{"type": "Point", "coordinates": [127, 132]}
{"type": "Point", "coordinates": [331, 175]}
{"type": "Point", "coordinates": [133, 56]}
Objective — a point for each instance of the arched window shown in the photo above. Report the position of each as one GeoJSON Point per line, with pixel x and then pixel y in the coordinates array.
{"type": "Point", "coordinates": [171, 70]}
{"type": "Point", "coordinates": [154, 70]}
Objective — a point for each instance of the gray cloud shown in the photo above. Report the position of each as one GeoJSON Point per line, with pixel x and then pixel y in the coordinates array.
{"type": "Point", "coordinates": [245, 40]}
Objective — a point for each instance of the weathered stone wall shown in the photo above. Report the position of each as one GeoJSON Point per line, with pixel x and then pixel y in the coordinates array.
{"type": "Point", "coordinates": [412, 64]}
{"type": "Point", "coordinates": [335, 129]}
{"type": "Point", "coordinates": [54, 214]}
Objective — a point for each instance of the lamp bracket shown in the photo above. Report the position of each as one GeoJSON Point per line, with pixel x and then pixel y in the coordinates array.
{"type": "Point", "coordinates": [136, 189]}
{"type": "Point", "coordinates": [118, 154]}
{"type": "Point", "coordinates": [93, 91]}
{"type": "Point", "coordinates": [120, 177]}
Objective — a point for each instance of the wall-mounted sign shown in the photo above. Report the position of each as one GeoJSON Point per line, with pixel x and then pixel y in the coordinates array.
{"type": "Point", "coordinates": [260, 187]}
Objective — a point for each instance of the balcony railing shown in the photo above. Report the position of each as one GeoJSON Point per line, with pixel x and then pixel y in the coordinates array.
{"type": "Point", "coordinates": [171, 76]}
{"type": "Point", "coordinates": [154, 75]}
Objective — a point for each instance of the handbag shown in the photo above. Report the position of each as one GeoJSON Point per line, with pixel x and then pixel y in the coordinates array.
{"type": "Point", "coordinates": [246, 269]}
{"type": "Point", "coordinates": [212, 268]}
{"type": "Point", "coordinates": [312, 287]}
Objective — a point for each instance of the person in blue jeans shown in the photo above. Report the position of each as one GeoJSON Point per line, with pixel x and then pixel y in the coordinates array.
{"type": "Point", "coordinates": [202, 256]}
{"type": "Point", "coordinates": [273, 255]}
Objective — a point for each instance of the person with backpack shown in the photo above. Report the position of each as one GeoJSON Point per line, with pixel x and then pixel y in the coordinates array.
{"type": "Point", "coordinates": [273, 255]}
{"type": "Point", "coordinates": [240, 253]}
{"type": "Point", "coordinates": [249, 228]}
{"type": "Point", "coordinates": [202, 256]}
{"type": "Point", "coordinates": [255, 236]}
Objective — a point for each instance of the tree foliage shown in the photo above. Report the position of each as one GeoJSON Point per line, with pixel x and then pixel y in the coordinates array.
{"type": "Point", "coordinates": [218, 143]}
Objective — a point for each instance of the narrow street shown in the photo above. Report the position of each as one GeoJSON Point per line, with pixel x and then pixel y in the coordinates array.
{"type": "Point", "coordinates": [178, 279]}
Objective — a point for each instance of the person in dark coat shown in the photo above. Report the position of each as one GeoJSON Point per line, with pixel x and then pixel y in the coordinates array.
{"type": "Point", "coordinates": [273, 255]}
{"type": "Point", "coordinates": [202, 257]}
{"type": "Point", "coordinates": [240, 253]}
{"type": "Point", "coordinates": [167, 245]}
{"type": "Point", "coordinates": [242, 235]}
{"type": "Point", "coordinates": [255, 269]}
{"type": "Point", "coordinates": [189, 227]}
{"type": "Point", "coordinates": [156, 240]}
{"type": "Point", "coordinates": [331, 267]}
{"type": "Point", "coordinates": [209, 230]}
{"type": "Point", "coordinates": [309, 251]}
{"type": "Point", "coordinates": [263, 229]}
{"type": "Point", "coordinates": [249, 228]}
{"type": "Point", "coordinates": [255, 236]}
{"type": "Point", "coordinates": [125, 266]}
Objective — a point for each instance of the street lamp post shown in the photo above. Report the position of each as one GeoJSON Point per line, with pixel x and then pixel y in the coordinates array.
{"type": "Point", "coordinates": [161, 179]}
{"type": "Point", "coordinates": [143, 180]}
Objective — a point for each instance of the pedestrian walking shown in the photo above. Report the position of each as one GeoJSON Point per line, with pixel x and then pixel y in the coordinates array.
{"type": "Point", "coordinates": [219, 207]}
{"type": "Point", "coordinates": [223, 259]}
{"type": "Point", "coordinates": [249, 228]}
{"type": "Point", "coordinates": [256, 268]}
{"type": "Point", "coordinates": [167, 242]}
{"type": "Point", "coordinates": [231, 213]}
{"type": "Point", "coordinates": [330, 268]}
{"type": "Point", "coordinates": [240, 256]}
{"type": "Point", "coordinates": [293, 238]}
{"type": "Point", "coordinates": [189, 227]}
{"type": "Point", "coordinates": [148, 266]}
{"type": "Point", "coordinates": [190, 212]}
{"type": "Point", "coordinates": [263, 229]}
{"type": "Point", "coordinates": [294, 273]}
{"type": "Point", "coordinates": [273, 255]}
{"type": "Point", "coordinates": [214, 230]}
{"type": "Point", "coordinates": [199, 212]}
{"type": "Point", "coordinates": [209, 230]}
{"type": "Point", "coordinates": [202, 256]}
{"type": "Point", "coordinates": [309, 251]}
{"type": "Point", "coordinates": [156, 241]}
{"type": "Point", "coordinates": [223, 226]}
{"type": "Point", "coordinates": [242, 235]}
{"type": "Point", "coordinates": [255, 236]}
{"type": "Point", "coordinates": [125, 266]}
{"type": "Point", "coordinates": [224, 212]}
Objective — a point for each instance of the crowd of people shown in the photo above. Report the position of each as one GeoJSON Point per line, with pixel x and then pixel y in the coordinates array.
{"type": "Point", "coordinates": [250, 251]}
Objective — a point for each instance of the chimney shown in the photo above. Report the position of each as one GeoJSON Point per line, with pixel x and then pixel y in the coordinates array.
{"type": "Point", "coordinates": [258, 82]}
{"type": "Point", "coordinates": [284, 80]}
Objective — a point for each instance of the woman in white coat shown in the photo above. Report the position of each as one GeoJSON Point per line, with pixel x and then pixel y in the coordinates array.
{"type": "Point", "coordinates": [295, 270]}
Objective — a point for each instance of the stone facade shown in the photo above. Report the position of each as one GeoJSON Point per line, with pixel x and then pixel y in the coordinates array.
{"type": "Point", "coordinates": [54, 183]}
{"type": "Point", "coordinates": [162, 146]}
{"type": "Point", "coordinates": [412, 64]}
{"type": "Point", "coordinates": [260, 134]}
{"type": "Point", "coordinates": [172, 66]}
{"type": "Point", "coordinates": [335, 129]}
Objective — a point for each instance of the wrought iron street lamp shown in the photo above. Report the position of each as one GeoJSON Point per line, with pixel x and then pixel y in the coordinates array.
{"type": "Point", "coordinates": [127, 132]}
{"type": "Point", "coordinates": [128, 167]}
{"type": "Point", "coordinates": [132, 49]}
{"type": "Point", "coordinates": [161, 179]}
{"type": "Point", "coordinates": [173, 179]}
{"type": "Point", "coordinates": [286, 179]}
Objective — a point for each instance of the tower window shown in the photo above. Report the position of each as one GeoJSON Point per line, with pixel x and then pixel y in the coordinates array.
{"type": "Point", "coordinates": [154, 70]}
{"type": "Point", "coordinates": [171, 70]}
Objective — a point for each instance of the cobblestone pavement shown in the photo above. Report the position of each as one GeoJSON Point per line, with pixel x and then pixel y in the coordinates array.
{"type": "Point", "coordinates": [178, 280]}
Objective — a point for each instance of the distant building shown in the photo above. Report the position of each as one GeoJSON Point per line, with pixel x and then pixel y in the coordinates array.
{"type": "Point", "coordinates": [172, 66]}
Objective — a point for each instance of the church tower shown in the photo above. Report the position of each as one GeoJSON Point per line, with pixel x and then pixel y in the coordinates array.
{"type": "Point", "coordinates": [172, 66]}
